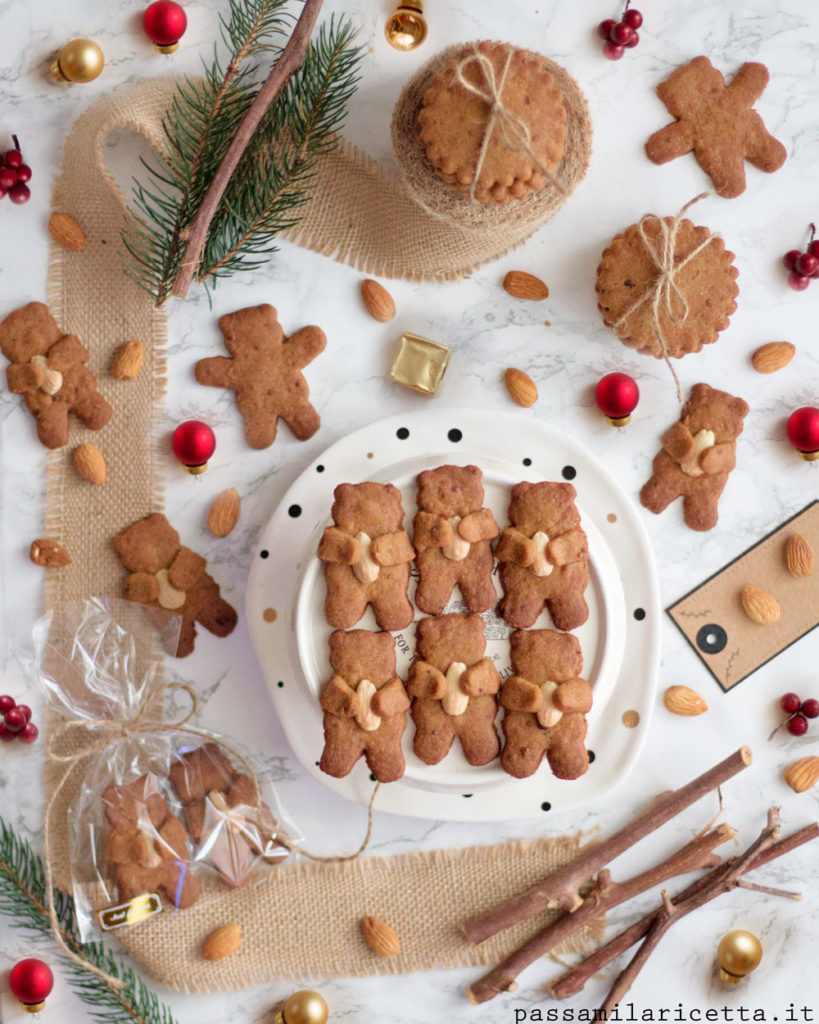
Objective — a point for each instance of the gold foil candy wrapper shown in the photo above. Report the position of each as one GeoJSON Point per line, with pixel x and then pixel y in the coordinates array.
{"type": "Point", "coordinates": [419, 363]}
{"type": "Point", "coordinates": [126, 914]}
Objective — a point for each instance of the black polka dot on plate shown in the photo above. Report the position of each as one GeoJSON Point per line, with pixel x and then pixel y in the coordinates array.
{"type": "Point", "coordinates": [319, 469]}
{"type": "Point", "coordinates": [466, 796]}
{"type": "Point", "coordinates": [711, 639]}
{"type": "Point", "coordinates": [372, 777]}
{"type": "Point", "coordinates": [402, 433]}
{"type": "Point", "coordinates": [527, 462]}
{"type": "Point", "coordinates": [455, 435]}
{"type": "Point", "coordinates": [545, 806]}
{"type": "Point", "coordinates": [569, 472]}
{"type": "Point", "coordinates": [592, 756]}
{"type": "Point", "coordinates": [280, 684]}
{"type": "Point", "coordinates": [264, 554]}
{"type": "Point", "coordinates": [639, 614]}
{"type": "Point", "coordinates": [294, 511]}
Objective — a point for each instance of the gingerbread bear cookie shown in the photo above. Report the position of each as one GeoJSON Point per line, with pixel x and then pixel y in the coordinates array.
{"type": "Point", "coordinates": [48, 369]}
{"type": "Point", "coordinates": [697, 455]}
{"type": "Point", "coordinates": [452, 535]}
{"type": "Point", "coordinates": [164, 574]}
{"type": "Point", "coordinates": [147, 847]}
{"type": "Point", "coordinates": [365, 706]}
{"type": "Point", "coordinates": [264, 369]}
{"type": "Point", "coordinates": [544, 557]}
{"type": "Point", "coordinates": [545, 704]}
{"type": "Point", "coordinates": [454, 689]}
{"type": "Point", "coordinates": [367, 556]}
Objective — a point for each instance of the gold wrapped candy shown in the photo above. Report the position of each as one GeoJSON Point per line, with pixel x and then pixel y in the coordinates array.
{"type": "Point", "coordinates": [419, 363]}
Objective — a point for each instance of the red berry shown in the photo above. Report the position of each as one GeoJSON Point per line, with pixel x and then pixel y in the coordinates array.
{"type": "Point", "coordinates": [790, 258]}
{"type": "Point", "coordinates": [633, 18]}
{"type": "Point", "coordinates": [635, 39]}
{"type": "Point", "coordinates": [6, 735]}
{"type": "Point", "coordinates": [605, 27]}
{"type": "Point", "coordinates": [795, 280]}
{"type": "Point", "coordinates": [612, 50]}
{"type": "Point", "coordinates": [26, 711]}
{"type": "Point", "coordinates": [24, 174]}
{"type": "Point", "coordinates": [6, 703]}
{"type": "Point", "coordinates": [621, 33]}
{"type": "Point", "coordinates": [21, 193]}
{"type": "Point", "coordinates": [14, 720]}
{"type": "Point", "coordinates": [810, 708]}
{"type": "Point", "coordinates": [798, 725]}
{"type": "Point", "coordinates": [12, 158]}
{"type": "Point", "coordinates": [2, 192]}
{"type": "Point", "coordinates": [806, 264]}
{"type": "Point", "coordinates": [813, 248]}
{"type": "Point", "coordinates": [790, 702]}
{"type": "Point", "coordinates": [8, 177]}
{"type": "Point", "coordinates": [29, 733]}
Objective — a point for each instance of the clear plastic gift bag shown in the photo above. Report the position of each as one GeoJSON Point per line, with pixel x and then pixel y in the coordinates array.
{"type": "Point", "coordinates": [156, 804]}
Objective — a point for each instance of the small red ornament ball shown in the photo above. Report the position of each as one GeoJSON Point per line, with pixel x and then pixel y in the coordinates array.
{"type": "Point", "coordinates": [31, 981]}
{"type": "Point", "coordinates": [165, 23]}
{"type": "Point", "coordinates": [803, 431]}
{"type": "Point", "coordinates": [617, 396]}
{"type": "Point", "coordinates": [193, 444]}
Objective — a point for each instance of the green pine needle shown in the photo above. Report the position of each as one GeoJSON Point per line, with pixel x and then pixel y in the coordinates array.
{"type": "Point", "coordinates": [23, 899]}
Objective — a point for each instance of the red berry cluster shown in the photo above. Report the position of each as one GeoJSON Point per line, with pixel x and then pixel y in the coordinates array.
{"type": "Point", "coordinates": [16, 722]}
{"type": "Point", "coordinates": [14, 174]}
{"type": "Point", "coordinates": [798, 712]}
{"type": "Point", "coordinates": [803, 265]}
{"type": "Point", "coordinates": [620, 34]}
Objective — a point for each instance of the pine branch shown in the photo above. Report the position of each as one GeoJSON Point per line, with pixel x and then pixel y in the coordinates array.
{"type": "Point", "coordinates": [23, 899]}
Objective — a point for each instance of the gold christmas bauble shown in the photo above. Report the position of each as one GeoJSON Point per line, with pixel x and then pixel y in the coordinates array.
{"type": "Point", "coordinates": [738, 953]}
{"type": "Point", "coordinates": [81, 60]}
{"type": "Point", "coordinates": [406, 27]}
{"type": "Point", "coordinates": [303, 1007]}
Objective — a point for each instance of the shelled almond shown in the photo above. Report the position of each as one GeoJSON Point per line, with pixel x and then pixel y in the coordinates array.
{"type": "Point", "coordinates": [799, 556]}
{"type": "Point", "coordinates": [377, 301]}
{"type": "Point", "coordinates": [381, 939]}
{"type": "Point", "coordinates": [89, 464]}
{"type": "Point", "coordinates": [682, 700]}
{"type": "Point", "coordinates": [759, 606]}
{"type": "Point", "coordinates": [522, 285]}
{"type": "Point", "coordinates": [522, 389]}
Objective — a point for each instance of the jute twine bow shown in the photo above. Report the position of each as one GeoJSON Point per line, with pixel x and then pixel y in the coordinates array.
{"type": "Point", "coordinates": [514, 129]}
{"type": "Point", "coordinates": [142, 723]}
{"type": "Point", "coordinates": [664, 292]}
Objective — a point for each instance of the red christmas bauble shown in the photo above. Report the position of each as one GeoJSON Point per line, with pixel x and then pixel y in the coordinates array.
{"type": "Point", "coordinates": [31, 981]}
{"type": "Point", "coordinates": [617, 396]}
{"type": "Point", "coordinates": [803, 431]}
{"type": "Point", "coordinates": [165, 23]}
{"type": "Point", "coordinates": [193, 444]}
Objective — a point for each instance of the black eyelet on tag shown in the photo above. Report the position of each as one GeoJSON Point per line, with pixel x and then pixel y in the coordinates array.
{"type": "Point", "coordinates": [711, 639]}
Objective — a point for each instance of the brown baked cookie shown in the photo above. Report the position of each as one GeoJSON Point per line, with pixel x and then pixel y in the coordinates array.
{"type": "Point", "coordinates": [452, 535]}
{"type": "Point", "coordinates": [265, 372]}
{"type": "Point", "coordinates": [629, 275]}
{"type": "Point", "coordinates": [544, 557]}
{"type": "Point", "coordinates": [696, 456]}
{"type": "Point", "coordinates": [48, 369]}
{"type": "Point", "coordinates": [164, 574]}
{"type": "Point", "coordinates": [546, 703]}
{"type": "Point", "coordinates": [717, 123]}
{"type": "Point", "coordinates": [454, 123]}
{"type": "Point", "coordinates": [367, 557]}
{"type": "Point", "coordinates": [365, 706]}
{"type": "Point", "coordinates": [454, 689]}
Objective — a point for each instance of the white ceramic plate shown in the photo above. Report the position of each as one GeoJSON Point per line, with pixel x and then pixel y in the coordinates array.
{"type": "Point", "coordinates": [620, 640]}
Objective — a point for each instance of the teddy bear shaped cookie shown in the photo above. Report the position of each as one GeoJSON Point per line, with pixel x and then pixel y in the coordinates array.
{"type": "Point", "coordinates": [544, 557]}
{"type": "Point", "coordinates": [147, 847]}
{"type": "Point", "coordinates": [365, 706]}
{"type": "Point", "coordinates": [48, 368]}
{"type": "Point", "coordinates": [452, 535]}
{"type": "Point", "coordinates": [367, 555]}
{"type": "Point", "coordinates": [545, 704]}
{"type": "Point", "coordinates": [454, 689]}
{"type": "Point", "coordinates": [164, 574]}
{"type": "Point", "coordinates": [696, 456]}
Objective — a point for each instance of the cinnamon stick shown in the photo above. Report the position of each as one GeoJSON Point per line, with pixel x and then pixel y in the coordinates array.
{"type": "Point", "coordinates": [291, 59]}
{"type": "Point", "coordinates": [560, 887]}
{"type": "Point", "coordinates": [605, 895]}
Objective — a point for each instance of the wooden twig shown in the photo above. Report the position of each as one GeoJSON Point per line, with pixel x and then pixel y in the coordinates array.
{"type": "Point", "coordinates": [605, 895]}
{"type": "Point", "coordinates": [291, 59]}
{"type": "Point", "coordinates": [769, 890]}
{"type": "Point", "coordinates": [560, 887]}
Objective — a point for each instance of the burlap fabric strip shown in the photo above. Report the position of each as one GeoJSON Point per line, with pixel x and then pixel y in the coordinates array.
{"type": "Point", "coordinates": [303, 922]}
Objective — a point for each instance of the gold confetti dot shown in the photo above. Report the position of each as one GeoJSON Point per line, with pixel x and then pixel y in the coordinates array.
{"type": "Point", "coordinates": [631, 719]}
{"type": "Point", "coordinates": [369, 455]}
{"type": "Point", "coordinates": [612, 518]}
{"type": "Point", "coordinates": [270, 615]}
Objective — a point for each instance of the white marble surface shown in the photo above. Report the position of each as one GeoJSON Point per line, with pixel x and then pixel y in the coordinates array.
{"type": "Point", "coordinates": [487, 331]}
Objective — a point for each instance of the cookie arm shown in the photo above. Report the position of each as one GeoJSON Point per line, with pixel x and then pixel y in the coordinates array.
{"type": "Point", "coordinates": [66, 353]}
{"type": "Point", "coordinates": [186, 569]}
{"type": "Point", "coordinates": [516, 547]}
{"type": "Point", "coordinates": [215, 372]}
{"type": "Point", "coordinates": [425, 681]}
{"type": "Point", "coordinates": [747, 86]}
{"type": "Point", "coordinates": [391, 699]}
{"type": "Point", "coordinates": [678, 442]}
{"type": "Point", "coordinates": [568, 547]}
{"type": "Point", "coordinates": [302, 347]}
{"type": "Point", "coordinates": [719, 459]}
{"type": "Point", "coordinates": [392, 548]}
{"type": "Point", "coordinates": [339, 547]}
{"type": "Point", "coordinates": [338, 697]}
{"type": "Point", "coordinates": [518, 694]}
{"type": "Point", "coordinates": [431, 531]}
{"type": "Point", "coordinates": [670, 142]}
{"type": "Point", "coordinates": [480, 679]}
{"type": "Point", "coordinates": [23, 377]}
{"type": "Point", "coordinates": [762, 149]}
{"type": "Point", "coordinates": [573, 695]}
{"type": "Point", "coordinates": [478, 526]}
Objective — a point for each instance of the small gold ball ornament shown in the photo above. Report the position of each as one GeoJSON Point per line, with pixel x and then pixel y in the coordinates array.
{"type": "Point", "coordinates": [79, 61]}
{"type": "Point", "coordinates": [303, 1007]}
{"type": "Point", "coordinates": [406, 27]}
{"type": "Point", "coordinates": [738, 954]}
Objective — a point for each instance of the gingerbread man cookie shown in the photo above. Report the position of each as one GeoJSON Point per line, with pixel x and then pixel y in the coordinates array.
{"type": "Point", "coordinates": [365, 706]}
{"type": "Point", "coordinates": [454, 689]}
{"type": "Point", "coordinates": [265, 372]}
{"type": "Point", "coordinates": [697, 455]}
{"type": "Point", "coordinates": [544, 557]}
{"type": "Point", "coordinates": [452, 535]}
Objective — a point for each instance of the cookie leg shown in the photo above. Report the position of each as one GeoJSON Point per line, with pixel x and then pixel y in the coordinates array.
{"type": "Point", "coordinates": [343, 746]}
{"type": "Point", "coordinates": [522, 599]}
{"type": "Point", "coordinates": [701, 510]}
{"type": "Point", "coordinates": [434, 731]}
{"type": "Point", "coordinates": [476, 730]}
{"type": "Point", "coordinates": [385, 758]}
{"type": "Point", "coordinates": [566, 751]}
{"type": "Point", "coordinates": [525, 744]}
{"type": "Point", "coordinates": [218, 617]}
{"type": "Point", "coordinates": [435, 583]}
{"type": "Point", "coordinates": [303, 421]}
{"type": "Point", "coordinates": [388, 597]}
{"type": "Point", "coordinates": [475, 580]}
{"type": "Point", "coordinates": [346, 599]}
{"type": "Point", "coordinates": [566, 603]}
{"type": "Point", "coordinates": [187, 636]}
{"type": "Point", "coordinates": [92, 410]}
{"type": "Point", "coordinates": [658, 493]}
{"type": "Point", "coordinates": [52, 425]}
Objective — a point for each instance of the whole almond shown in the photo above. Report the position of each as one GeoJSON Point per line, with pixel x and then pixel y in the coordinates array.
{"type": "Point", "coordinates": [682, 700]}
{"type": "Point", "coordinates": [521, 285]}
{"type": "Point", "coordinates": [66, 231]}
{"type": "Point", "coordinates": [381, 939]}
{"type": "Point", "coordinates": [773, 356]}
{"type": "Point", "coordinates": [799, 556]}
{"type": "Point", "coordinates": [522, 389]}
{"type": "Point", "coordinates": [89, 463]}
{"type": "Point", "coordinates": [222, 942]}
{"type": "Point", "coordinates": [224, 512]}
{"type": "Point", "coordinates": [802, 774]}
{"type": "Point", "coordinates": [377, 301]}
{"type": "Point", "coordinates": [127, 362]}
{"type": "Point", "coordinates": [759, 606]}
{"type": "Point", "coordinates": [49, 553]}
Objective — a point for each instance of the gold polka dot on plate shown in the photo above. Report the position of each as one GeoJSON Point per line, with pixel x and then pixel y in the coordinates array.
{"type": "Point", "coordinates": [612, 518]}
{"type": "Point", "coordinates": [369, 455]}
{"type": "Point", "coordinates": [270, 615]}
{"type": "Point", "coordinates": [630, 719]}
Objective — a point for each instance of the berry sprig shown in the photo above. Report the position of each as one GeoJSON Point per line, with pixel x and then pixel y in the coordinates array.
{"type": "Point", "coordinates": [620, 34]}
{"type": "Point", "coordinates": [798, 712]}
{"type": "Point", "coordinates": [14, 175]}
{"type": "Point", "coordinates": [16, 723]}
{"type": "Point", "coordinates": [803, 265]}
